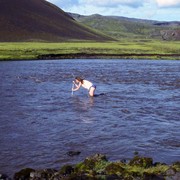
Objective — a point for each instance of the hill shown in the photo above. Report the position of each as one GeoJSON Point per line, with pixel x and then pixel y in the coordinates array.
{"type": "Point", "coordinates": [39, 20]}
{"type": "Point", "coordinates": [122, 27]}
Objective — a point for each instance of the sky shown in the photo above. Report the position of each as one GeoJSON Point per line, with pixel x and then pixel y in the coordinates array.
{"type": "Point", "coordinates": [161, 10]}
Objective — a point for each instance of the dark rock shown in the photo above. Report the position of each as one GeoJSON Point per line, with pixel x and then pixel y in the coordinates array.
{"type": "Point", "coordinates": [93, 165]}
{"type": "Point", "coordinates": [24, 174]}
{"type": "Point", "coordinates": [147, 176]}
{"type": "Point", "coordinates": [90, 162]}
{"type": "Point", "coordinates": [124, 161]}
{"type": "Point", "coordinates": [172, 174]}
{"type": "Point", "coordinates": [66, 170]}
{"type": "Point", "coordinates": [170, 34]}
{"type": "Point", "coordinates": [158, 163]}
{"type": "Point", "coordinates": [177, 164]}
{"type": "Point", "coordinates": [114, 168]}
{"type": "Point", "coordinates": [73, 153]}
{"type": "Point", "coordinates": [42, 174]}
{"type": "Point", "coordinates": [4, 177]}
{"type": "Point", "coordinates": [113, 177]}
{"type": "Point", "coordinates": [144, 162]}
{"type": "Point", "coordinates": [175, 177]}
{"type": "Point", "coordinates": [97, 158]}
{"type": "Point", "coordinates": [136, 153]}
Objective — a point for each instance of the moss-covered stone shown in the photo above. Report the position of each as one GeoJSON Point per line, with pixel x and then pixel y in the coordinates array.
{"type": "Point", "coordinates": [24, 174]}
{"type": "Point", "coordinates": [66, 170]}
{"type": "Point", "coordinates": [144, 162]}
{"type": "Point", "coordinates": [114, 168]}
{"type": "Point", "coordinates": [98, 157]}
{"type": "Point", "coordinates": [91, 163]}
{"type": "Point", "coordinates": [42, 174]}
{"type": "Point", "coordinates": [176, 165]}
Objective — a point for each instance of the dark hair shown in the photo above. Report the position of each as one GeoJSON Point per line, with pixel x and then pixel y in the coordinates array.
{"type": "Point", "coordinates": [79, 79]}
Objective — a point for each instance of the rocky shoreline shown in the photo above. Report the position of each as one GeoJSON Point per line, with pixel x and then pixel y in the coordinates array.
{"type": "Point", "coordinates": [97, 167]}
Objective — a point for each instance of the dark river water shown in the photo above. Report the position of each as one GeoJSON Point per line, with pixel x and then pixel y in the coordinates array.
{"type": "Point", "coordinates": [40, 120]}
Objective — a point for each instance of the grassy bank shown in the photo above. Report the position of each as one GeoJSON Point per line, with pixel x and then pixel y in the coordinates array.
{"type": "Point", "coordinates": [140, 49]}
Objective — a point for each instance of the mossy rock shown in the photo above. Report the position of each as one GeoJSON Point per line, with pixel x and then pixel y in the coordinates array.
{"type": "Point", "coordinates": [114, 168]}
{"type": "Point", "coordinates": [97, 158]}
{"type": "Point", "coordinates": [143, 162]}
{"type": "Point", "coordinates": [43, 174]}
{"type": "Point", "coordinates": [66, 170]}
{"type": "Point", "coordinates": [90, 163]}
{"type": "Point", "coordinates": [24, 174]}
{"type": "Point", "coordinates": [176, 165]}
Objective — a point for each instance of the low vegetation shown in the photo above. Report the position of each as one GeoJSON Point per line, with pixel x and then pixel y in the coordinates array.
{"type": "Point", "coordinates": [131, 49]}
{"type": "Point", "coordinates": [97, 167]}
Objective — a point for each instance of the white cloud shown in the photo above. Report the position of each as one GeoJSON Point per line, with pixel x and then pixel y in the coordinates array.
{"type": "Point", "coordinates": [168, 3]}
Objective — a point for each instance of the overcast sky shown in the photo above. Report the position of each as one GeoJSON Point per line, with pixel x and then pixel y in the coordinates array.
{"type": "Point", "coordinates": [163, 10]}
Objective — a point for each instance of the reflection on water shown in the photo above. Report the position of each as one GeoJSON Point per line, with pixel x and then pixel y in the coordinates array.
{"type": "Point", "coordinates": [83, 106]}
{"type": "Point", "coordinates": [137, 109]}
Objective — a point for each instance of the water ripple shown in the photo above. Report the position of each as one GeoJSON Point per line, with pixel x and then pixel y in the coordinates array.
{"type": "Point", "coordinates": [41, 121]}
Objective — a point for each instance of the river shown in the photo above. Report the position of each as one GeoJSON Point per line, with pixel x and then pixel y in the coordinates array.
{"type": "Point", "coordinates": [137, 110]}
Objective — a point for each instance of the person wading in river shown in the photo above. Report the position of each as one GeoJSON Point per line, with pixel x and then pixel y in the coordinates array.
{"type": "Point", "coordinates": [85, 84]}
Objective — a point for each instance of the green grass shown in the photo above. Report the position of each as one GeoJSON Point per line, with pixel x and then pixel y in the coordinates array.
{"type": "Point", "coordinates": [31, 50]}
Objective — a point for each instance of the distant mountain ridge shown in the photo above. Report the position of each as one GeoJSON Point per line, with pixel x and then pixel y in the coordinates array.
{"type": "Point", "coordinates": [39, 20]}
{"type": "Point", "coordinates": [122, 27]}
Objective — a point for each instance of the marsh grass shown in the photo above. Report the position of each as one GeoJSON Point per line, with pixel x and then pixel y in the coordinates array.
{"type": "Point", "coordinates": [31, 50]}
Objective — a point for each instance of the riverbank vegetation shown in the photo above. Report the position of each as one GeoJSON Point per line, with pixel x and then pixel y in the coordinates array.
{"type": "Point", "coordinates": [126, 49]}
{"type": "Point", "coordinates": [97, 167]}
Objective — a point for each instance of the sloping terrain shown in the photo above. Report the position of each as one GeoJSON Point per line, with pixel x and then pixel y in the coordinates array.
{"type": "Point", "coordinates": [39, 20]}
{"type": "Point", "coordinates": [122, 27]}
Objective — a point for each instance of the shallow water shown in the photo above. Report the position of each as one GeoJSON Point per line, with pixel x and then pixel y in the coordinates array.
{"type": "Point", "coordinates": [40, 121]}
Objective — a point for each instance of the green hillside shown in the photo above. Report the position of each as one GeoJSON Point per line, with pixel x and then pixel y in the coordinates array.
{"type": "Point", "coordinates": [121, 27]}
